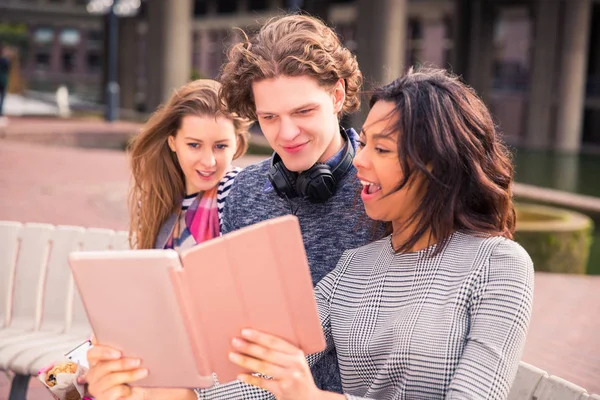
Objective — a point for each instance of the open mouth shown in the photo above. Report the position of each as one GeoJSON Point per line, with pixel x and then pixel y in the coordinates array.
{"type": "Point", "coordinates": [205, 174]}
{"type": "Point", "coordinates": [370, 187]}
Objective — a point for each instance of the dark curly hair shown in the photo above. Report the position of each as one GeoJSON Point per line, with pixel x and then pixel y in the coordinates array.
{"type": "Point", "coordinates": [446, 134]}
{"type": "Point", "coordinates": [290, 45]}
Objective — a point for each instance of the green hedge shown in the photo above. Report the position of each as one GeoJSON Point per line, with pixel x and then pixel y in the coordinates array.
{"type": "Point", "coordinates": [557, 240]}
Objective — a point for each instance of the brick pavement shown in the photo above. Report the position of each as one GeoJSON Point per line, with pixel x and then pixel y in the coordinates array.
{"type": "Point", "coordinates": [68, 186]}
{"type": "Point", "coordinates": [62, 185]}
{"type": "Point", "coordinates": [564, 335]}
{"type": "Point", "coordinates": [36, 391]}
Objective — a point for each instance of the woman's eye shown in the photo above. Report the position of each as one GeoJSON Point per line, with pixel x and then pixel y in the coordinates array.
{"type": "Point", "coordinates": [381, 151]}
{"type": "Point", "coordinates": [194, 145]}
{"type": "Point", "coordinates": [361, 144]}
{"type": "Point", "coordinates": [221, 146]}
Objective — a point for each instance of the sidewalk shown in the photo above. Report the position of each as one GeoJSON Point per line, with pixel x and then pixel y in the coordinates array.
{"type": "Point", "coordinates": [62, 185]}
{"type": "Point", "coordinates": [87, 133]}
{"type": "Point", "coordinates": [563, 336]}
{"type": "Point", "coordinates": [68, 186]}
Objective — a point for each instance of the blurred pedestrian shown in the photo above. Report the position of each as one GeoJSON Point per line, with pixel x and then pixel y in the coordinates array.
{"type": "Point", "coordinates": [4, 72]}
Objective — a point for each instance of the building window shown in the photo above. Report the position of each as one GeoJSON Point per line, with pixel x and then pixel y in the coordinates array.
{"type": "Point", "coordinates": [226, 6]}
{"type": "Point", "coordinates": [68, 61]}
{"type": "Point", "coordinates": [69, 37]}
{"type": "Point", "coordinates": [512, 48]}
{"type": "Point", "coordinates": [415, 30]}
{"type": "Point", "coordinates": [414, 41]}
{"type": "Point", "coordinates": [42, 61]}
{"type": "Point", "coordinates": [43, 35]}
{"type": "Point", "coordinates": [593, 68]}
{"type": "Point", "coordinates": [257, 5]}
{"type": "Point", "coordinates": [93, 62]}
{"type": "Point", "coordinates": [200, 7]}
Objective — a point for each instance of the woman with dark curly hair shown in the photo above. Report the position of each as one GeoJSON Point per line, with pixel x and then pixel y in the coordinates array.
{"type": "Point", "coordinates": [439, 308]}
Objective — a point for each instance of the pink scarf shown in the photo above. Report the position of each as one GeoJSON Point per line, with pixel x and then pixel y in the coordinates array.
{"type": "Point", "coordinates": [201, 220]}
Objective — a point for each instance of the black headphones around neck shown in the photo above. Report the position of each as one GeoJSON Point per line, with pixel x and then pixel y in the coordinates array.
{"type": "Point", "coordinates": [316, 184]}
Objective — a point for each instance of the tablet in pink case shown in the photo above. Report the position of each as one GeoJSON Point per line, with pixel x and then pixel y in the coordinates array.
{"type": "Point", "coordinates": [179, 314]}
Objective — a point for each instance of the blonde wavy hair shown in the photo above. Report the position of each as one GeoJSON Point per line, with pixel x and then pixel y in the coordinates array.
{"type": "Point", "coordinates": [290, 45]}
{"type": "Point", "coordinates": [158, 181]}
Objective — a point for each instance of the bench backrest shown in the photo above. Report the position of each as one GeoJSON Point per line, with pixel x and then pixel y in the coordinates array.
{"type": "Point", "coordinates": [37, 291]}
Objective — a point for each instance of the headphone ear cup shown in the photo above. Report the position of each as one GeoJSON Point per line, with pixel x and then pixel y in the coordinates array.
{"type": "Point", "coordinates": [282, 180]}
{"type": "Point", "coordinates": [317, 184]}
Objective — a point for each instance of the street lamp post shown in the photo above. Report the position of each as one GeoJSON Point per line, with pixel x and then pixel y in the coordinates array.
{"type": "Point", "coordinates": [114, 9]}
{"type": "Point", "coordinates": [112, 86]}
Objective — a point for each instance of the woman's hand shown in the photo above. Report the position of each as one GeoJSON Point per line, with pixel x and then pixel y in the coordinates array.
{"type": "Point", "coordinates": [110, 374]}
{"type": "Point", "coordinates": [282, 366]}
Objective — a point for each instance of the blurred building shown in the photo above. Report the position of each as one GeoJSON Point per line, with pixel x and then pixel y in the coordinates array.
{"type": "Point", "coordinates": [58, 43]}
{"type": "Point", "coordinates": [535, 62]}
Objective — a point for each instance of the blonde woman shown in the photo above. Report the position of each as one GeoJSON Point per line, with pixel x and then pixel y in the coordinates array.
{"type": "Point", "coordinates": [182, 169]}
{"type": "Point", "coordinates": [180, 162]}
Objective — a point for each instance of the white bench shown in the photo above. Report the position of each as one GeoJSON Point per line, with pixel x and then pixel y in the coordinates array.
{"type": "Point", "coordinates": [532, 383]}
{"type": "Point", "coordinates": [42, 317]}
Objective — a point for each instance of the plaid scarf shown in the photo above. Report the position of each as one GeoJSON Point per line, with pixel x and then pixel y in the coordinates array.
{"type": "Point", "coordinates": [201, 222]}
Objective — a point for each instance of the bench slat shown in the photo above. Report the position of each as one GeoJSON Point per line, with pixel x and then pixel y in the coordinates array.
{"type": "Point", "coordinates": [9, 237]}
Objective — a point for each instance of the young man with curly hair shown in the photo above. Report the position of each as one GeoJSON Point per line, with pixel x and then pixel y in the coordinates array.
{"type": "Point", "coordinates": [297, 80]}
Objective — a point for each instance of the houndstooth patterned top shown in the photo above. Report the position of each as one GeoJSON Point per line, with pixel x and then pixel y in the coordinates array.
{"type": "Point", "coordinates": [414, 326]}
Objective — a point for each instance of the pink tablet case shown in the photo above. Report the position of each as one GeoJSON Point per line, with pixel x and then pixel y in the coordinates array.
{"type": "Point", "coordinates": [181, 321]}
{"type": "Point", "coordinates": [131, 306]}
{"type": "Point", "coordinates": [259, 278]}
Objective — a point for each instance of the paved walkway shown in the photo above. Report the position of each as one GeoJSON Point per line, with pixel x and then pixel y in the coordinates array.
{"type": "Point", "coordinates": [563, 337]}
{"type": "Point", "coordinates": [68, 186]}
{"type": "Point", "coordinates": [63, 185]}
{"type": "Point", "coordinates": [88, 133]}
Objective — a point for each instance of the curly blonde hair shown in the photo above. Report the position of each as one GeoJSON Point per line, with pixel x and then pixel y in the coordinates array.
{"type": "Point", "coordinates": [290, 45]}
{"type": "Point", "coordinates": [158, 181]}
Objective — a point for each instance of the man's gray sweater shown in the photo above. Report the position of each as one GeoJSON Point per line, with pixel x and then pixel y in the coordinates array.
{"type": "Point", "coordinates": [327, 228]}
